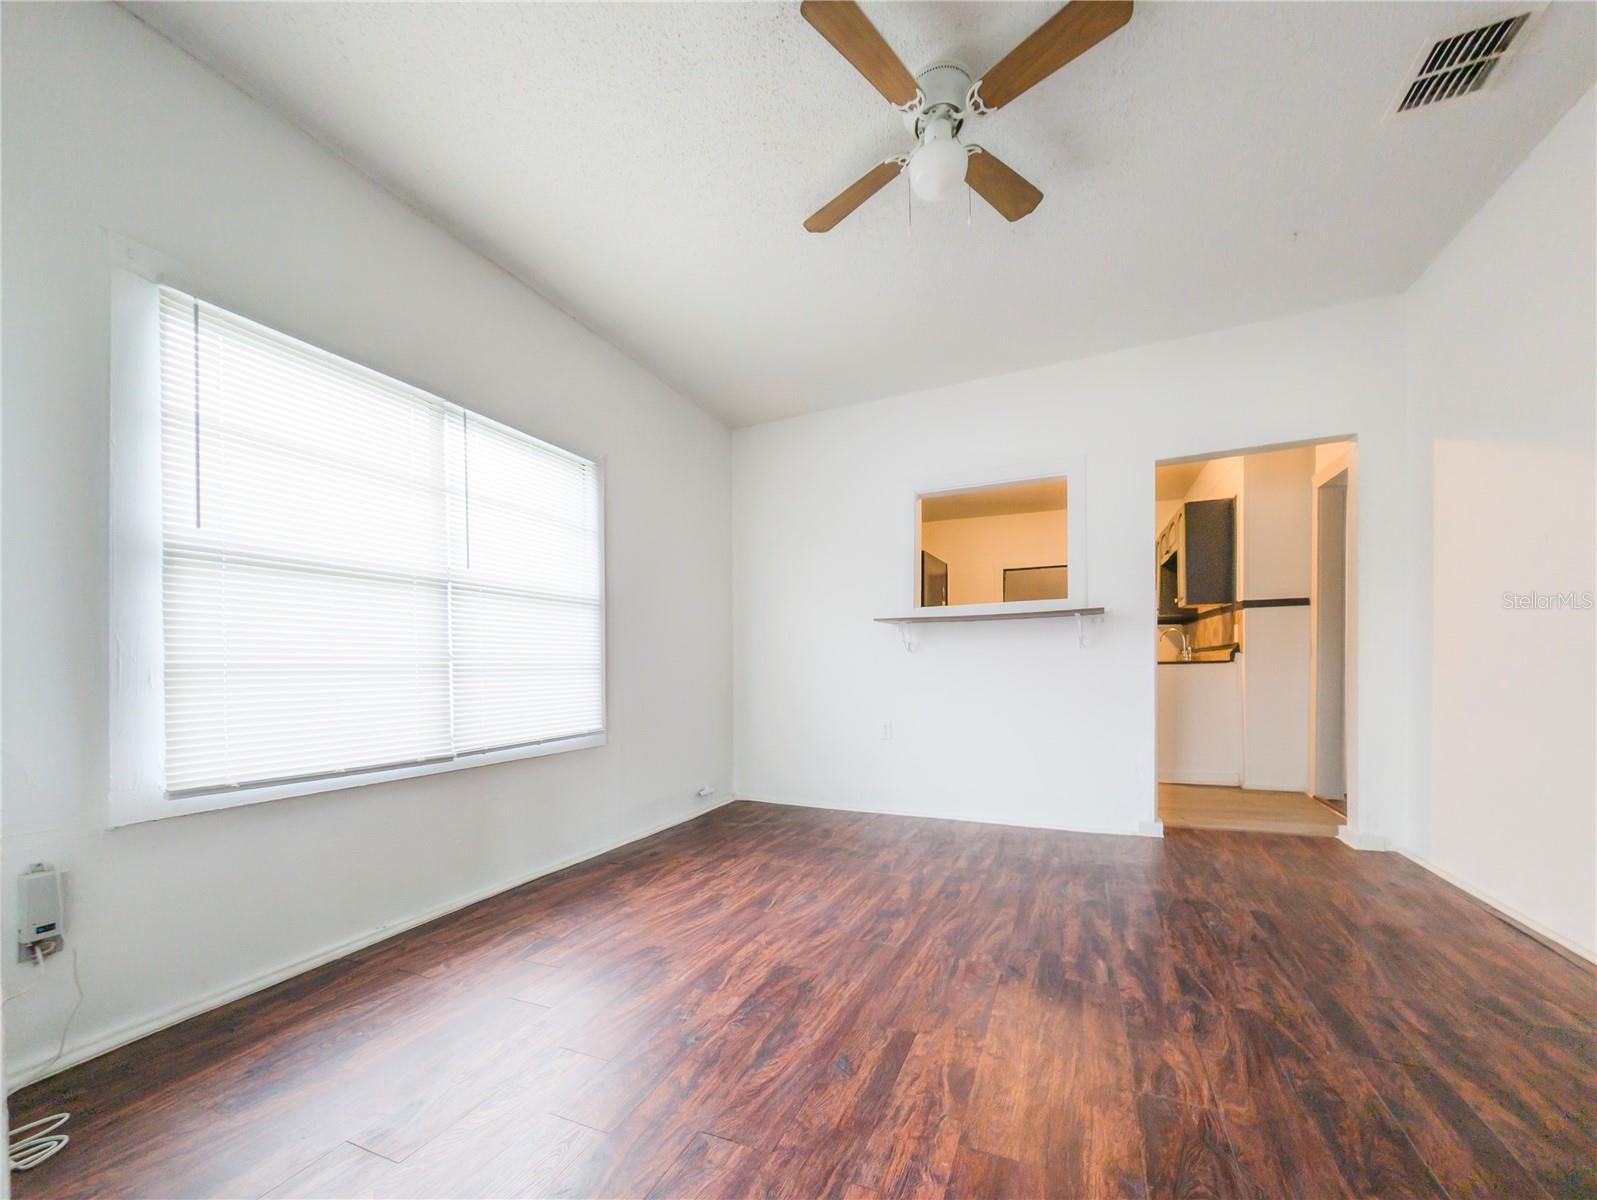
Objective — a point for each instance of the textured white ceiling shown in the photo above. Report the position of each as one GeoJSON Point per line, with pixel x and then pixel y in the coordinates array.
{"type": "Point", "coordinates": [647, 167]}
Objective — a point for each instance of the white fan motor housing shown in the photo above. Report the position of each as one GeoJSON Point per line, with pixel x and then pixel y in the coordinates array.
{"type": "Point", "coordinates": [944, 86]}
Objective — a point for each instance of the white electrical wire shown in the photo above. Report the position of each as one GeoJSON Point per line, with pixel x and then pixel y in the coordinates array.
{"type": "Point", "coordinates": [42, 1140]}
{"type": "Point", "coordinates": [28, 1152]}
{"type": "Point", "coordinates": [38, 961]}
{"type": "Point", "coordinates": [77, 986]}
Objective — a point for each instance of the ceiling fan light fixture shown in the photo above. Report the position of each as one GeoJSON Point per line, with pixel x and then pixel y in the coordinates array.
{"type": "Point", "coordinates": [937, 168]}
{"type": "Point", "coordinates": [938, 103]}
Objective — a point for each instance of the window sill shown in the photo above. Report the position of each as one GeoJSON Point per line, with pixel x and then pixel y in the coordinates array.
{"type": "Point", "coordinates": [130, 810]}
{"type": "Point", "coordinates": [1014, 610]}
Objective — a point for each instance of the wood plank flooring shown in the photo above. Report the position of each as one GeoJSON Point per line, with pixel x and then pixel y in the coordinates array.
{"type": "Point", "coordinates": [782, 1002]}
{"type": "Point", "coordinates": [1188, 806]}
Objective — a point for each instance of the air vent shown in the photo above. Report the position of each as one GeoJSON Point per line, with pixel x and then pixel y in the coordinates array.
{"type": "Point", "coordinates": [1461, 64]}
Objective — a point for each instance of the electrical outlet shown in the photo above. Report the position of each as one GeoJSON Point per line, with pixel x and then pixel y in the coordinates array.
{"type": "Point", "coordinates": [46, 948]}
{"type": "Point", "coordinates": [887, 731]}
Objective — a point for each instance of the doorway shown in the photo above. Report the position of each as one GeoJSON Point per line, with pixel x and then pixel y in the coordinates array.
{"type": "Point", "coordinates": [1252, 576]}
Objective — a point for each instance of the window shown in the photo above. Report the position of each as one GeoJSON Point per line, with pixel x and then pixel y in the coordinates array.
{"type": "Point", "coordinates": [1004, 546]}
{"type": "Point", "coordinates": [357, 579]}
{"type": "Point", "coordinates": [995, 545]}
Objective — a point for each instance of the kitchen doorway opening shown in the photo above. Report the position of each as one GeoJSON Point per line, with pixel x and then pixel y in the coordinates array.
{"type": "Point", "coordinates": [1255, 569]}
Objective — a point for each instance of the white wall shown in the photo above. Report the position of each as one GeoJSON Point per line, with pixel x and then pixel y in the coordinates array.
{"type": "Point", "coordinates": [108, 127]}
{"type": "Point", "coordinates": [1502, 385]}
{"type": "Point", "coordinates": [5, 1115]}
{"type": "Point", "coordinates": [1200, 722]}
{"type": "Point", "coordinates": [1012, 721]}
{"type": "Point", "coordinates": [1276, 496]}
{"type": "Point", "coordinates": [1274, 536]}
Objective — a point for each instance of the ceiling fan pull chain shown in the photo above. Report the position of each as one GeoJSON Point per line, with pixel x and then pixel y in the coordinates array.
{"type": "Point", "coordinates": [971, 150]}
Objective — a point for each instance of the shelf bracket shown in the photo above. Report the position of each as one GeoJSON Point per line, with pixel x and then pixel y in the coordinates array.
{"type": "Point", "coordinates": [1082, 639]}
{"type": "Point", "coordinates": [905, 632]}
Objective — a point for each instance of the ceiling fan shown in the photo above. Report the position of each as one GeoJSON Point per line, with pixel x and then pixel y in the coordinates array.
{"type": "Point", "coordinates": [936, 103]}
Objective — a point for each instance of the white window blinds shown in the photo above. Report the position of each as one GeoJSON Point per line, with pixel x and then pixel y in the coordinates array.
{"type": "Point", "coordinates": [355, 574]}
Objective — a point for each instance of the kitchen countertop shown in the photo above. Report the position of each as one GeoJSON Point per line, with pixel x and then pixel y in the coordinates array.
{"type": "Point", "coordinates": [1205, 654]}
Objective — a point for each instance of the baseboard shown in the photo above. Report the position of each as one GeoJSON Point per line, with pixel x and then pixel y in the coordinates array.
{"type": "Point", "coordinates": [1362, 841]}
{"type": "Point", "coordinates": [1143, 829]}
{"type": "Point", "coordinates": [20, 1075]}
{"type": "Point", "coordinates": [1202, 778]}
{"type": "Point", "coordinates": [1581, 955]}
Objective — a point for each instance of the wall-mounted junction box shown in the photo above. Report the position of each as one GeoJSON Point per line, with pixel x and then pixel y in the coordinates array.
{"type": "Point", "coordinates": [41, 921]}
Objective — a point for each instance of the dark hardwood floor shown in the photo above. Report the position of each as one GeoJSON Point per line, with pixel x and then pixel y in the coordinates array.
{"type": "Point", "coordinates": [787, 1002]}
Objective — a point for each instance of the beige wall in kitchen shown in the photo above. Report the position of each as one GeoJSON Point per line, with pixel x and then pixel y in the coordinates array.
{"type": "Point", "coordinates": [977, 550]}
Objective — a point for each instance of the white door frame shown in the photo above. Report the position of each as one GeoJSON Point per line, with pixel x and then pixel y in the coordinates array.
{"type": "Point", "coordinates": [1338, 466]}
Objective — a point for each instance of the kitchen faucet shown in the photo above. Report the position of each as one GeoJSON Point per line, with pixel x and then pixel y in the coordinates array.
{"type": "Point", "coordinates": [1186, 646]}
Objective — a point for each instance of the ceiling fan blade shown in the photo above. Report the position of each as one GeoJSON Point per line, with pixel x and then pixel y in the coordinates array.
{"type": "Point", "coordinates": [852, 35]}
{"type": "Point", "coordinates": [1070, 32]}
{"type": "Point", "coordinates": [854, 195]}
{"type": "Point", "coordinates": [1012, 195]}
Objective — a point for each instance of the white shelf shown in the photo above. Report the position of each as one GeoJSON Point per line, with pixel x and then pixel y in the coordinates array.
{"type": "Point", "coordinates": [991, 612]}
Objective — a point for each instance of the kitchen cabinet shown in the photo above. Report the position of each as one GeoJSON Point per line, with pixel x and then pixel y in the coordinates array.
{"type": "Point", "coordinates": [1197, 554]}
